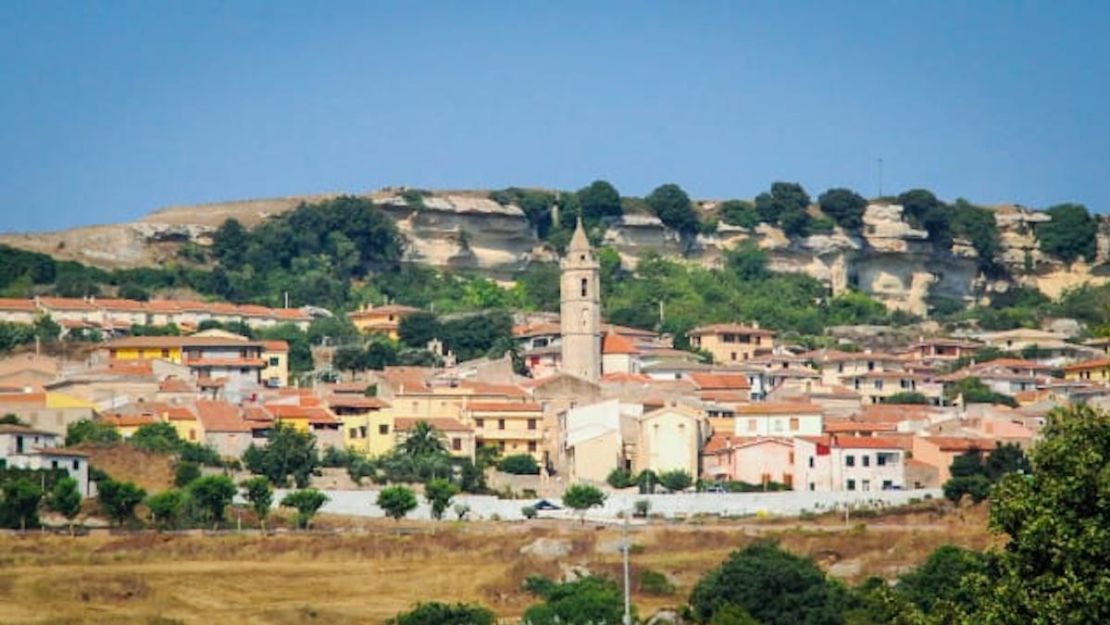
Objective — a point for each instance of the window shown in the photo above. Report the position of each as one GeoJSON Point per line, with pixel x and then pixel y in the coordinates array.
{"type": "Point", "coordinates": [353, 433]}
{"type": "Point", "coordinates": [870, 365]}
{"type": "Point", "coordinates": [887, 484]}
{"type": "Point", "coordinates": [866, 461]}
{"type": "Point", "coordinates": [734, 355]}
{"type": "Point", "coordinates": [812, 486]}
{"type": "Point", "coordinates": [840, 367]}
{"type": "Point", "coordinates": [456, 444]}
{"type": "Point", "coordinates": [811, 462]}
{"type": "Point", "coordinates": [531, 424]}
{"type": "Point", "coordinates": [481, 423]}
{"type": "Point", "coordinates": [585, 287]}
{"type": "Point", "coordinates": [851, 484]}
{"type": "Point", "coordinates": [76, 465]}
{"type": "Point", "coordinates": [383, 429]}
{"type": "Point", "coordinates": [501, 424]}
{"type": "Point", "coordinates": [793, 424]}
{"type": "Point", "coordinates": [867, 485]}
{"type": "Point", "coordinates": [165, 353]}
{"type": "Point", "coordinates": [849, 461]}
{"type": "Point", "coordinates": [192, 435]}
{"type": "Point", "coordinates": [54, 464]}
{"type": "Point", "coordinates": [362, 431]}
{"type": "Point", "coordinates": [532, 446]}
{"type": "Point", "coordinates": [274, 361]}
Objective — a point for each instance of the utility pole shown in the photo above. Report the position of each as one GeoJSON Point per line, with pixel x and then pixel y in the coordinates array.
{"type": "Point", "coordinates": [625, 546]}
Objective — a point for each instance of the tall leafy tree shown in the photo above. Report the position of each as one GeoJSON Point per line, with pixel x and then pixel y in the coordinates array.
{"type": "Point", "coordinates": [19, 503]}
{"type": "Point", "coordinates": [599, 199]}
{"type": "Point", "coordinates": [439, 493]}
{"type": "Point", "coordinates": [118, 499]}
{"type": "Point", "coordinates": [307, 502]}
{"type": "Point", "coordinates": [260, 495]}
{"type": "Point", "coordinates": [1070, 234]}
{"type": "Point", "coordinates": [65, 499]}
{"type": "Point", "coordinates": [212, 495]}
{"type": "Point", "coordinates": [582, 497]}
{"type": "Point", "coordinates": [289, 453]}
{"type": "Point", "coordinates": [844, 206]}
{"type": "Point", "coordinates": [673, 207]}
{"type": "Point", "coordinates": [396, 501]}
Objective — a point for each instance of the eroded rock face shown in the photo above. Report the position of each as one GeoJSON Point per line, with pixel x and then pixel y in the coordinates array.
{"type": "Point", "coordinates": [889, 259]}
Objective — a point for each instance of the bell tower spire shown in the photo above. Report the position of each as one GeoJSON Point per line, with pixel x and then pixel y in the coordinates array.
{"type": "Point", "coordinates": [580, 308]}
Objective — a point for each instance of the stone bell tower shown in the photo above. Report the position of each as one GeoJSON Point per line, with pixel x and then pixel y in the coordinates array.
{"type": "Point", "coordinates": [580, 308]}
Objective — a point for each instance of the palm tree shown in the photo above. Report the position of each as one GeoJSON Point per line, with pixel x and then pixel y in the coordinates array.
{"type": "Point", "coordinates": [424, 440]}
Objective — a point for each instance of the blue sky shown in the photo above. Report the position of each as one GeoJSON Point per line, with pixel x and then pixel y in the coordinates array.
{"type": "Point", "coordinates": [111, 109]}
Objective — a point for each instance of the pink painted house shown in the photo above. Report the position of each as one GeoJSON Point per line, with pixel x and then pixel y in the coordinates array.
{"type": "Point", "coordinates": [755, 460]}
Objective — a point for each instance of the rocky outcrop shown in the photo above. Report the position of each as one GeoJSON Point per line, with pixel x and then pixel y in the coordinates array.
{"type": "Point", "coordinates": [888, 258]}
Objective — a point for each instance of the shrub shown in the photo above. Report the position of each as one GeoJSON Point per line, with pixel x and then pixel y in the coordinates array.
{"type": "Point", "coordinates": [1070, 234]}
{"type": "Point", "coordinates": [519, 464]}
{"type": "Point", "coordinates": [529, 512]}
{"type": "Point", "coordinates": [307, 502]}
{"type": "Point", "coordinates": [654, 583]}
{"type": "Point", "coordinates": [435, 613]}
{"type": "Point", "coordinates": [396, 501]}
{"type": "Point", "coordinates": [185, 472]}
{"type": "Point", "coordinates": [676, 480]}
{"type": "Point", "coordinates": [621, 478]}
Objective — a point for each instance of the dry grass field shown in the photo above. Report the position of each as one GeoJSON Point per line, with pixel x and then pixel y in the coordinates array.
{"type": "Point", "coordinates": [366, 571]}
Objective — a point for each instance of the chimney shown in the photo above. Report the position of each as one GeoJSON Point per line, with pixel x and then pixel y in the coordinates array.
{"type": "Point", "coordinates": [755, 325]}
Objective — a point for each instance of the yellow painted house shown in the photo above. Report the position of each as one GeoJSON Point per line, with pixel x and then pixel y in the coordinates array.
{"type": "Point", "coordinates": [367, 423]}
{"type": "Point", "coordinates": [1097, 370]}
{"type": "Point", "coordinates": [381, 319]}
{"type": "Point", "coordinates": [276, 356]}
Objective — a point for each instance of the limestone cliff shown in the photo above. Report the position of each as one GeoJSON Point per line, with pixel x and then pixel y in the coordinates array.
{"type": "Point", "coordinates": [889, 259]}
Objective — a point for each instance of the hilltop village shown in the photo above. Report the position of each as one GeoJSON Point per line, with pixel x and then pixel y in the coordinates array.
{"type": "Point", "coordinates": [595, 401]}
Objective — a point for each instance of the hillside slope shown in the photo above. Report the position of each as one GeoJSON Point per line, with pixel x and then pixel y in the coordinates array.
{"type": "Point", "coordinates": [889, 259]}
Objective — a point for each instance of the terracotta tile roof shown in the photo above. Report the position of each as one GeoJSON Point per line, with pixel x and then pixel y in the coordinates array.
{"type": "Point", "coordinates": [19, 305]}
{"type": "Point", "coordinates": [291, 314]}
{"type": "Point", "coordinates": [725, 396]}
{"type": "Point", "coordinates": [836, 427]}
{"type": "Point", "coordinates": [777, 408]}
{"type": "Point", "coordinates": [275, 346]}
{"type": "Point", "coordinates": [179, 341]}
{"type": "Point", "coordinates": [142, 368]}
{"type": "Point", "coordinates": [129, 420]}
{"type": "Point", "coordinates": [251, 310]}
{"type": "Point", "coordinates": [218, 416]}
{"type": "Point", "coordinates": [617, 344]}
{"type": "Point", "coordinates": [29, 398]}
{"type": "Point", "coordinates": [161, 306]}
{"type": "Point", "coordinates": [174, 385]}
{"type": "Point", "coordinates": [126, 305]}
{"type": "Point", "coordinates": [349, 387]}
{"type": "Point", "coordinates": [734, 328]}
{"type": "Point", "coordinates": [211, 382]}
{"type": "Point", "coordinates": [493, 406]}
{"type": "Point", "coordinates": [887, 413]}
{"type": "Point", "coordinates": [366, 403]}
{"type": "Point", "coordinates": [536, 329]}
{"type": "Point", "coordinates": [257, 413]}
{"type": "Point", "coordinates": [1097, 363]}
{"type": "Point", "coordinates": [313, 414]}
{"type": "Point", "coordinates": [66, 303]}
{"type": "Point", "coordinates": [443, 425]}
{"type": "Point", "coordinates": [720, 381]}
{"type": "Point", "coordinates": [865, 442]}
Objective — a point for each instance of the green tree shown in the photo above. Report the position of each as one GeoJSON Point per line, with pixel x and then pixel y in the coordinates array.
{"type": "Point", "coordinates": [439, 492]}
{"type": "Point", "coordinates": [582, 497]}
{"type": "Point", "coordinates": [166, 508]}
{"type": "Point", "coordinates": [118, 499]}
{"type": "Point", "coordinates": [739, 213]}
{"type": "Point", "coordinates": [160, 436]}
{"type": "Point", "coordinates": [621, 478]}
{"type": "Point", "coordinates": [977, 225]}
{"type": "Point", "coordinates": [65, 499]}
{"type": "Point", "coordinates": [424, 440]}
{"type": "Point", "coordinates": [212, 495]}
{"type": "Point", "coordinates": [844, 206]}
{"type": "Point", "coordinates": [396, 501]}
{"type": "Point", "coordinates": [445, 614]}
{"type": "Point", "coordinates": [307, 502]}
{"type": "Point", "coordinates": [1070, 234]}
{"type": "Point", "coordinates": [258, 492]}
{"type": "Point", "coordinates": [519, 464]}
{"type": "Point", "coordinates": [730, 614]}
{"type": "Point", "coordinates": [19, 503]}
{"type": "Point", "coordinates": [599, 199]}
{"type": "Point", "coordinates": [786, 205]}
{"type": "Point", "coordinates": [585, 601]}
{"type": "Point", "coordinates": [675, 480]}
{"type": "Point", "coordinates": [289, 452]}
{"type": "Point", "coordinates": [1053, 568]}
{"type": "Point", "coordinates": [418, 328]}
{"type": "Point", "coordinates": [907, 397]}
{"type": "Point", "coordinates": [923, 210]}
{"type": "Point", "coordinates": [673, 207]}
{"type": "Point", "coordinates": [185, 473]}
{"type": "Point", "coordinates": [46, 329]}
{"type": "Point", "coordinates": [773, 586]}
{"type": "Point", "coordinates": [942, 578]}
{"type": "Point", "coordinates": [229, 243]}
{"type": "Point", "coordinates": [748, 262]}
